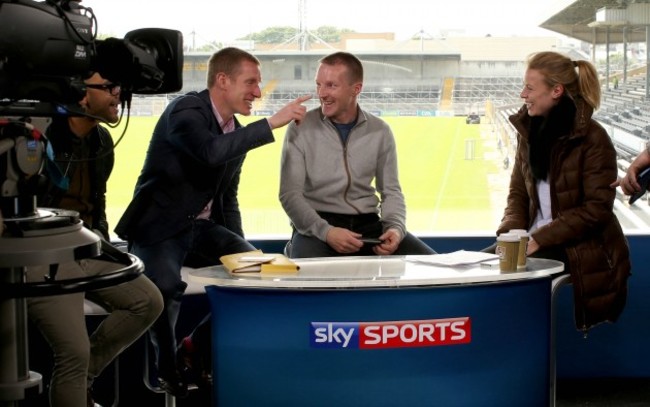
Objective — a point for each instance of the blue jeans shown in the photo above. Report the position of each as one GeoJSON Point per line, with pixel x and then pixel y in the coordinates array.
{"type": "Point", "coordinates": [199, 246]}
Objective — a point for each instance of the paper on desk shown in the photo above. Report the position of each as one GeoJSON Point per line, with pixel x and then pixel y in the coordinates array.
{"type": "Point", "coordinates": [457, 258]}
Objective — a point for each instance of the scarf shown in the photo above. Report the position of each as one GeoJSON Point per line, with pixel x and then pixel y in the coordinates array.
{"type": "Point", "coordinates": [544, 133]}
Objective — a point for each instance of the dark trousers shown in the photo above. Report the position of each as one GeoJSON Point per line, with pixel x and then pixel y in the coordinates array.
{"type": "Point", "coordinates": [199, 246]}
{"type": "Point", "coordinates": [368, 225]}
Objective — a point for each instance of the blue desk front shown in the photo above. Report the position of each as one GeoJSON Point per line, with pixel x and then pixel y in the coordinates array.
{"type": "Point", "coordinates": [382, 332]}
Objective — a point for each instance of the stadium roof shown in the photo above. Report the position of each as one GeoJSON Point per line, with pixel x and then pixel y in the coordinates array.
{"type": "Point", "coordinates": [589, 20]}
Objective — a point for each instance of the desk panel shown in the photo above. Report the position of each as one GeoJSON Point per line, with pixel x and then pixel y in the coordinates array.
{"type": "Point", "coordinates": [262, 352]}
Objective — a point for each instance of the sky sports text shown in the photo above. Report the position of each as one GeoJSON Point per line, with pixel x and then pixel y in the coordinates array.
{"type": "Point", "coordinates": [390, 334]}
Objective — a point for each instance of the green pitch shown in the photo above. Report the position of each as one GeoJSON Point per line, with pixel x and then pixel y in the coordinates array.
{"type": "Point", "coordinates": [451, 175]}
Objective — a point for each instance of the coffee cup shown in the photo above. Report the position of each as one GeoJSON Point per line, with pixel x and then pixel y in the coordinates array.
{"type": "Point", "coordinates": [523, 245]}
{"type": "Point", "coordinates": [508, 251]}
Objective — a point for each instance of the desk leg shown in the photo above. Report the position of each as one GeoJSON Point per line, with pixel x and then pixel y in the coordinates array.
{"type": "Point", "coordinates": [555, 288]}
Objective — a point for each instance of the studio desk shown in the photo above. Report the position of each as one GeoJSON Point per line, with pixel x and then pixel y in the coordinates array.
{"type": "Point", "coordinates": [383, 331]}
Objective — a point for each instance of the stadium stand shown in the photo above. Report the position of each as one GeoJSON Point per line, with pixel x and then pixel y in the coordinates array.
{"type": "Point", "coordinates": [477, 90]}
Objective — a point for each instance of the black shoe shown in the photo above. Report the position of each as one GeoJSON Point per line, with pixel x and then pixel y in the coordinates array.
{"type": "Point", "coordinates": [174, 384]}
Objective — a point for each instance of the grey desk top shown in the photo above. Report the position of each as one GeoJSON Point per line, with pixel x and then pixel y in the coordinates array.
{"type": "Point", "coordinates": [374, 272]}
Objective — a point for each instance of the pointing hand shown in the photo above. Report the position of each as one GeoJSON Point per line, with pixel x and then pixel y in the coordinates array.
{"type": "Point", "coordinates": [292, 111]}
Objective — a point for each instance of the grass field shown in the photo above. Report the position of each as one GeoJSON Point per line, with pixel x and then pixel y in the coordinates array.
{"type": "Point", "coordinates": [451, 174]}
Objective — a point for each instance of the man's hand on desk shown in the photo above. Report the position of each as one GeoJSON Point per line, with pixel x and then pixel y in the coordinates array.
{"type": "Point", "coordinates": [344, 240]}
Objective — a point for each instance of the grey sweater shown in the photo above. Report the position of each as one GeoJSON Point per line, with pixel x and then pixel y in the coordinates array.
{"type": "Point", "coordinates": [320, 173]}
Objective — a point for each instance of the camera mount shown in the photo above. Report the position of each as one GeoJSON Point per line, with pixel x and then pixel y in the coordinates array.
{"type": "Point", "coordinates": [51, 236]}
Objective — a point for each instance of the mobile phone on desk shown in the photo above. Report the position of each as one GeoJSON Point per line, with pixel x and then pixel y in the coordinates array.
{"type": "Point", "coordinates": [644, 180]}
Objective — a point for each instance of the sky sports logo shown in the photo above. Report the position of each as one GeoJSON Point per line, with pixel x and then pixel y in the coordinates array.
{"type": "Point", "coordinates": [390, 334]}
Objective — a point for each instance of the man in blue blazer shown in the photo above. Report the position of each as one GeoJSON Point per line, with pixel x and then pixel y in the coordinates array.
{"type": "Point", "coordinates": [185, 210]}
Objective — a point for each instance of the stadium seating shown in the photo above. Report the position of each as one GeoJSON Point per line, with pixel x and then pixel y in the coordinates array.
{"type": "Point", "coordinates": [626, 107]}
{"type": "Point", "coordinates": [476, 90]}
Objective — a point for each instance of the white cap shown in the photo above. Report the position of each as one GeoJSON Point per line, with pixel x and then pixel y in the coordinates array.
{"type": "Point", "coordinates": [519, 232]}
{"type": "Point", "coordinates": [508, 237]}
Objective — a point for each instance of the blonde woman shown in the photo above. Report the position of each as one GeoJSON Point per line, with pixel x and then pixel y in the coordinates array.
{"type": "Point", "coordinates": [560, 185]}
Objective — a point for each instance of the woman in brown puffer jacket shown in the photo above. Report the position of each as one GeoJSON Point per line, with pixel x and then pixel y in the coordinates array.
{"type": "Point", "coordinates": [560, 185]}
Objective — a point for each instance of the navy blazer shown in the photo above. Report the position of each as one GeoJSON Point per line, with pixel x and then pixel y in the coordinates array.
{"type": "Point", "coordinates": [189, 161]}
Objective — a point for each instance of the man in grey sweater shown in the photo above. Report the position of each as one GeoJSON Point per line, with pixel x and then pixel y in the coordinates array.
{"type": "Point", "coordinates": [329, 162]}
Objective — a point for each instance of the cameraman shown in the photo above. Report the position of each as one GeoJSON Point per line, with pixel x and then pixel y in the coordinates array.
{"type": "Point", "coordinates": [83, 162]}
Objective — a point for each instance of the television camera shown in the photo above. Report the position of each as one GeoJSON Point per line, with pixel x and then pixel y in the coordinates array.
{"type": "Point", "coordinates": [47, 49]}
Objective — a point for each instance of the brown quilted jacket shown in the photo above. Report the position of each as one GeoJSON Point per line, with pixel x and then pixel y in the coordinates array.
{"type": "Point", "coordinates": [583, 165]}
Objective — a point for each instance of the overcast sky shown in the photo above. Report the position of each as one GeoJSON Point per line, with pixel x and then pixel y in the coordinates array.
{"type": "Point", "coordinates": [223, 21]}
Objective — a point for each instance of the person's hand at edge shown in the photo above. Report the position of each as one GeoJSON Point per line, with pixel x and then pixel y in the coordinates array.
{"type": "Point", "coordinates": [629, 183]}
